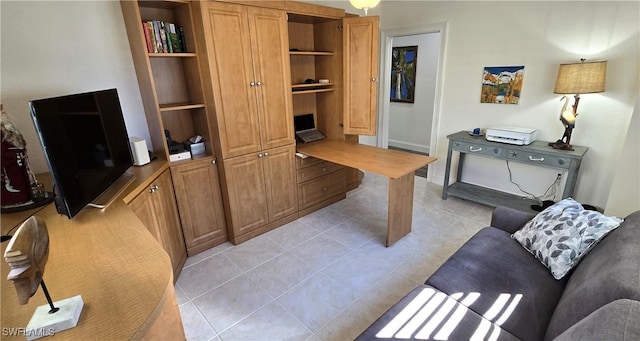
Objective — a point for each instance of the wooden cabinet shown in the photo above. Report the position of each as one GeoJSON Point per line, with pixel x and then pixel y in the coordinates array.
{"type": "Point", "coordinates": [320, 183]}
{"type": "Point", "coordinates": [261, 189]}
{"type": "Point", "coordinates": [156, 208]}
{"type": "Point", "coordinates": [170, 83]}
{"type": "Point", "coordinates": [327, 45]}
{"type": "Point", "coordinates": [197, 189]}
{"type": "Point", "coordinates": [248, 65]}
{"type": "Point", "coordinates": [360, 39]}
{"type": "Point", "coordinates": [343, 50]}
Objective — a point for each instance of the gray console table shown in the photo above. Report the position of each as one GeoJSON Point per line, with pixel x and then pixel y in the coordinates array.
{"type": "Point", "coordinates": [538, 153]}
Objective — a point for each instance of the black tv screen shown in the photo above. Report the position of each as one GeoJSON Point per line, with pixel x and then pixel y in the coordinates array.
{"type": "Point", "coordinates": [85, 143]}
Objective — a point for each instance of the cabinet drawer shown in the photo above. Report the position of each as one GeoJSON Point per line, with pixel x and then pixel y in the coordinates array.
{"type": "Point", "coordinates": [321, 189]}
{"type": "Point", "coordinates": [317, 170]}
{"type": "Point", "coordinates": [538, 159]}
{"type": "Point", "coordinates": [309, 161]}
{"type": "Point", "coordinates": [465, 147]}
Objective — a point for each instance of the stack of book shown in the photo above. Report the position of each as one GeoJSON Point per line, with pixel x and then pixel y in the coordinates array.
{"type": "Point", "coordinates": [163, 37]}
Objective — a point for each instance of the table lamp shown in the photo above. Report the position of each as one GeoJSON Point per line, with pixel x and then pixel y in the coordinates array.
{"type": "Point", "coordinates": [577, 78]}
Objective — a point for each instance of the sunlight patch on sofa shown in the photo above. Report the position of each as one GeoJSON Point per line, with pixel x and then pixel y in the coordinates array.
{"type": "Point", "coordinates": [433, 315]}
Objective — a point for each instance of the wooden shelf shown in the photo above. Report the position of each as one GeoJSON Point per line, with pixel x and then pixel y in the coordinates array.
{"type": "Point", "coordinates": [165, 4]}
{"type": "Point", "coordinates": [172, 55]}
{"type": "Point", "coordinates": [311, 91]}
{"type": "Point", "coordinates": [310, 86]}
{"type": "Point", "coordinates": [491, 197]}
{"type": "Point", "coordinates": [180, 106]}
{"type": "Point", "coordinates": [311, 53]}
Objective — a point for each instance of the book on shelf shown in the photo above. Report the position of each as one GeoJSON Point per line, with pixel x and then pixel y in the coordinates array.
{"type": "Point", "coordinates": [163, 37]}
{"type": "Point", "coordinates": [147, 37]}
{"type": "Point", "coordinates": [158, 42]}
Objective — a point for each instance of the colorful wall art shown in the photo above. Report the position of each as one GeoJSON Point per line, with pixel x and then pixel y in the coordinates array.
{"type": "Point", "coordinates": [403, 73]}
{"type": "Point", "coordinates": [502, 84]}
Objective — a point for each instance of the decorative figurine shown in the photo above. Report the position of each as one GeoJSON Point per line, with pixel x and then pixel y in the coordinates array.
{"type": "Point", "coordinates": [27, 255]}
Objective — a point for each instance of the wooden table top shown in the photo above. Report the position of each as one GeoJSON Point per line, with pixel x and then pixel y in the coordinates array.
{"type": "Point", "coordinates": [391, 163]}
{"type": "Point", "coordinates": [108, 257]}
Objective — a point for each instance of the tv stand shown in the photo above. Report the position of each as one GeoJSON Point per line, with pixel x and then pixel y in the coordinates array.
{"type": "Point", "coordinates": [112, 192]}
{"type": "Point", "coordinates": [538, 153]}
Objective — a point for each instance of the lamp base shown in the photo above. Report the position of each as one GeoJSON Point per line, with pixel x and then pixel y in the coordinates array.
{"type": "Point", "coordinates": [560, 145]}
{"type": "Point", "coordinates": [43, 323]}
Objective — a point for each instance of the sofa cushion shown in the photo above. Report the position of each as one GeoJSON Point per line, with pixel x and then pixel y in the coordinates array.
{"type": "Point", "coordinates": [610, 272]}
{"type": "Point", "coordinates": [506, 277]}
{"type": "Point", "coordinates": [617, 320]}
{"type": "Point", "coordinates": [428, 314]}
{"type": "Point", "coordinates": [563, 233]}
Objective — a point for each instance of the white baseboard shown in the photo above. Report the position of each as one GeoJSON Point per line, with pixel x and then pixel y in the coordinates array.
{"type": "Point", "coordinates": [410, 146]}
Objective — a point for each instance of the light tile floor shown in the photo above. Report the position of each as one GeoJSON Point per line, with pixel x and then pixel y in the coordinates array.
{"type": "Point", "coordinates": [326, 276]}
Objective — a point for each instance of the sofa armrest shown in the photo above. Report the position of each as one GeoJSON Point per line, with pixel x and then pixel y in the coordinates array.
{"type": "Point", "coordinates": [508, 219]}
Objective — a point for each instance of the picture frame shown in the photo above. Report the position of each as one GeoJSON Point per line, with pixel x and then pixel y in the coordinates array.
{"type": "Point", "coordinates": [502, 84]}
{"type": "Point", "coordinates": [403, 74]}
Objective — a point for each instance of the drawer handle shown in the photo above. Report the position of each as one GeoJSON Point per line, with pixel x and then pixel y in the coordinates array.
{"type": "Point", "coordinates": [531, 158]}
{"type": "Point", "coordinates": [324, 189]}
{"type": "Point", "coordinates": [471, 149]}
{"type": "Point", "coordinates": [260, 155]}
{"type": "Point", "coordinates": [324, 169]}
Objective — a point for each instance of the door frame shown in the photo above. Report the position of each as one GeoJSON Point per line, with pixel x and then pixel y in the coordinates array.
{"type": "Point", "coordinates": [386, 42]}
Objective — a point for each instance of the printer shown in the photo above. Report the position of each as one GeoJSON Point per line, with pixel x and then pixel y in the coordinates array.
{"type": "Point", "coordinates": [511, 135]}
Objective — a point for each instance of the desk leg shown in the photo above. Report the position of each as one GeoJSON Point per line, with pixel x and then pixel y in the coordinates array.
{"type": "Point", "coordinates": [400, 207]}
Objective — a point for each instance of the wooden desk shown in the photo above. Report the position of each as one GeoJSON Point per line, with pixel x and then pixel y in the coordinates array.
{"type": "Point", "coordinates": [398, 166]}
{"type": "Point", "coordinates": [108, 257]}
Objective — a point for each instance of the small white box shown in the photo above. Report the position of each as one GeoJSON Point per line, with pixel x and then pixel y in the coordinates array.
{"type": "Point", "coordinates": [511, 135]}
{"type": "Point", "coordinates": [139, 151]}
{"type": "Point", "coordinates": [180, 156]}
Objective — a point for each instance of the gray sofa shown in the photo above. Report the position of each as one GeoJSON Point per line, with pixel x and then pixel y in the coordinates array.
{"type": "Point", "coordinates": [494, 289]}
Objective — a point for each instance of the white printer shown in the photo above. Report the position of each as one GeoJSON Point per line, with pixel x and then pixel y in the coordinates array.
{"type": "Point", "coordinates": [511, 135]}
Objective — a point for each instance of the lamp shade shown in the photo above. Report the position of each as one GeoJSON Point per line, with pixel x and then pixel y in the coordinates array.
{"type": "Point", "coordinates": [366, 4]}
{"type": "Point", "coordinates": [581, 78]}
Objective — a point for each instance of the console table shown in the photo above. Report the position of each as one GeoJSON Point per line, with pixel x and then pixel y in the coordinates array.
{"type": "Point", "coordinates": [538, 153]}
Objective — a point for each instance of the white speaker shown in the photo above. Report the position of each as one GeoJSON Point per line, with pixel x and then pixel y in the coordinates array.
{"type": "Point", "coordinates": [139, 151]}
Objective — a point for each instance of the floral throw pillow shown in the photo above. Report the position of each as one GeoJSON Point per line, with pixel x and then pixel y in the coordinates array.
{"type": "Point", "coordinates": [563, 233]}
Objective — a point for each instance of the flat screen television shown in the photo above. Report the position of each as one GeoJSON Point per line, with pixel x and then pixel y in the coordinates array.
{"type": "Point", "coordinates": [85, 143]}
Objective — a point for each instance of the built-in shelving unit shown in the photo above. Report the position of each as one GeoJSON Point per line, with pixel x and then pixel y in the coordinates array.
{"type": "Point", "coordinates": [170, 83]}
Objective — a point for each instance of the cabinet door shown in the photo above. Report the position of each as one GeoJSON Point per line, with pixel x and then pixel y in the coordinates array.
{"type": "Point", "coordinates": [246, 190]}
{"type": "Point", "coordinates": [156, 208]}
{"type": "Point", "coordinates": [197, 190]}
{"type": "Point", "coordinates": [360, 44]}
{"type": "Point", "coordinates": [280, 181]}
{"type": "Point", "coordinates": [229, 51]}
{"type": "Point", "coordinates": [169, 222]}
{"type": "Point", "coordinates": [270, 52]}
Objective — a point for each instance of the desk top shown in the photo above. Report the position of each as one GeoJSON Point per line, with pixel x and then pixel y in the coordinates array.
{"type": "Point", "coordinates": [391, 163]}
{"type": "Point", "coordinates": [109, 258]}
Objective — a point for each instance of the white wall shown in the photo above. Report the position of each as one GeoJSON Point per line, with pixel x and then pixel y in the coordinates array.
{"type": "Point", "coordinates": [54, 48]}
{"type": "Point", "coordinates": [625, 192]}
{"type": "Point", "coordinates": [410, 123]}
{"type": "Point", "coordinates": [539, 35]}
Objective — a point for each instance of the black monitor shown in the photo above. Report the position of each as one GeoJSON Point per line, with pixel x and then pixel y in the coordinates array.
{"type": "Point", "coordinates": [85, 143]}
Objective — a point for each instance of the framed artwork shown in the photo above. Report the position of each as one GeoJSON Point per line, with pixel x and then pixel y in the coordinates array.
{"type": "Point", "coordinates": [403, 73]}
{"type": "Point", "coordinates": [502, 84]}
